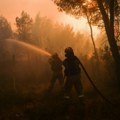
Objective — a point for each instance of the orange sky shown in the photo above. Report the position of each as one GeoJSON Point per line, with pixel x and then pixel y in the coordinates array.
{"type": "Point", "coordinates": [12, 8]}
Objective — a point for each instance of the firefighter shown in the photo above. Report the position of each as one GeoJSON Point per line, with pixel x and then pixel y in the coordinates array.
{"type": "Point", "coordinates": [72, 73]}
{"type": "Point", "coordinates": [57, 74]}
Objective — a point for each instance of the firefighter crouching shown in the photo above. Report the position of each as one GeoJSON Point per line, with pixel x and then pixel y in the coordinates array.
{"type": "Point", "coordinates": [72, 73]}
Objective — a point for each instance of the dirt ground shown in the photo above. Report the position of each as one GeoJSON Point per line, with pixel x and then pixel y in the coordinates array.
{"type": "Point", "coordinates": [24, 96]}
{"type": "Point", "coordinates": [24, 79]}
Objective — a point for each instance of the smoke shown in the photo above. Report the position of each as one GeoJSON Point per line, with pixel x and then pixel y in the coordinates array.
{"type": "Point", "coordinates": [55, 37]}
{"type": "Point", "coordinates": [23, 64]}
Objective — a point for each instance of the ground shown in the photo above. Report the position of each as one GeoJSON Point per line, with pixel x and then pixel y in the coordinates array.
{"type": "Point", "coordinates": [24, 79]}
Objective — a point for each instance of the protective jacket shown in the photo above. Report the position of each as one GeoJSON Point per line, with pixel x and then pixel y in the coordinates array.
{"type": "Point", "coordinates": [71, 65]}
{"type": "Point", "coordinates": [56, 64]}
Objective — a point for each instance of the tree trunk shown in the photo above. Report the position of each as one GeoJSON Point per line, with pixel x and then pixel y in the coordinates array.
{"type": "Point", "coordinates": [110, 34]}
{"type": "Point", "coordinates": [92, 38]}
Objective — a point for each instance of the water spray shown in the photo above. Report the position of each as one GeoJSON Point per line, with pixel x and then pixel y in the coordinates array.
{"type": "Point", "coordinates": [48, 54]}
{"type": "Point", "coordinates": [39, 50]}
{"type": "Point", "coordinates": [29, 46]}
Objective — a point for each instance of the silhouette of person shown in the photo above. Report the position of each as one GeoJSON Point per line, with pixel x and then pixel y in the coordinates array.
{"type": "Point", "coordinates": [72, 73]}
{"type": "Point", "coordinates": [57, 74]}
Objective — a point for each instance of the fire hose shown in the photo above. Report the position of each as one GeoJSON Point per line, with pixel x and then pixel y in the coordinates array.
{"type": "Point", "coordinates": [98, 91]}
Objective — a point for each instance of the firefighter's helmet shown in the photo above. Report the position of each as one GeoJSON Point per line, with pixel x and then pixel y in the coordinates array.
{"type": "Point", "coordinates": [55, 55]}
{"type": "Point", "coordinates": [69, 50]}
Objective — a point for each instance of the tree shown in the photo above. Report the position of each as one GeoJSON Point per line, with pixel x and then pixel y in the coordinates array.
{"type": "Point", "coordinates": [101, 13]}
{"type": "Point", "coordinates": [109, 27]}
{"type": "Point", "coordinates": [5, 28]}
{"type": "Point", "coordinates": [91, 32]}
{"type": "Point", "coordinates": [36, 30]}
{"type": "Point", "coordinates": [24, 26]}
{"type": "Point", "coordinates": [117, 21]}
{"type": "Point", "coordinates": [80, 8]}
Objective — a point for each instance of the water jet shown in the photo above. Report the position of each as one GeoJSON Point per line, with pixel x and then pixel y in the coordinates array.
{"type": "Point", "coordinates": [29, 46]}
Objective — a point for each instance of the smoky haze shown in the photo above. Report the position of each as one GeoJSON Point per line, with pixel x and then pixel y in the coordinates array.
{"type": "Point", "coordinates": [51, 37]}
{"type": "Point", "coordinates": [25, 72]}
{"type": "Point", "coordinates": [25, 64]}
{"type": "Point", "coordinates": [11, 9]}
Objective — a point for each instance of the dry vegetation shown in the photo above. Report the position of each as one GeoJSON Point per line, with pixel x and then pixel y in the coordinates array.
{"type": "Point", "coordinates": [24, 80]}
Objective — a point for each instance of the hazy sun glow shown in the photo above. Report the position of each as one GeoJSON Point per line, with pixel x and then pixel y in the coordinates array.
{"type": "Point", "coordinates": [79, 24]}
{"type": "Point", "coordinates": [89, 0]}
{"type": "Point", "coordinates": [12, 9]}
